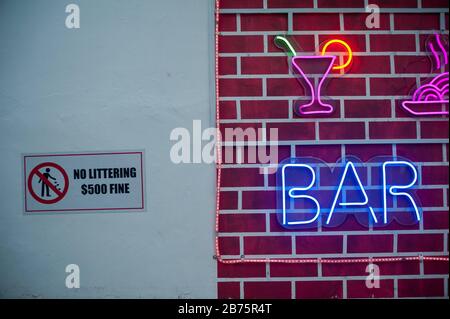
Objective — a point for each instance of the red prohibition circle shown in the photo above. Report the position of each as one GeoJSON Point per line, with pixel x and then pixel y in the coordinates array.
{"type": "Point", "coordinates": [35, 171]}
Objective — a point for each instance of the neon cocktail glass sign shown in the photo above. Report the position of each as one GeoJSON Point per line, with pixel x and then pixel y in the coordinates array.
{"type": "Point", "coordinates": [377, 192]}
{"type": "Point", "coordinates": [315, 106]}
{"type": "Point", "coordinates": [309, 67]}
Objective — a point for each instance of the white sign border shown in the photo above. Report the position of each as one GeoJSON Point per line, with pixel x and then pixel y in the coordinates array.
{"type": "Point", "coordinates": [83, 211]}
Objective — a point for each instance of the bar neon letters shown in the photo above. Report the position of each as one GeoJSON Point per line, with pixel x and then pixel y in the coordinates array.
{"type": "Point", "coordinates": [392, 185]}
{"type": "Point", "coordinates": [294, 189]}
{"type": "Point", "coordinates": [366, 199]}
{"type": "Point", "coordinates": [394, 188]}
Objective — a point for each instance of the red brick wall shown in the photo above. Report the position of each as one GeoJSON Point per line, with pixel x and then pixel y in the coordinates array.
{"type": "Point", "coordinates": [257, 90]}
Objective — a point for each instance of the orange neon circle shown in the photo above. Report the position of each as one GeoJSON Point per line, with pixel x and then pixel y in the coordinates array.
{"type": "Point", "coordinates": [344, 44]}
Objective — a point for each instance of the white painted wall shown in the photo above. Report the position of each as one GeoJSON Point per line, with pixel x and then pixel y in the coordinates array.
{"type": "Point", "coordinates": [135, 70]}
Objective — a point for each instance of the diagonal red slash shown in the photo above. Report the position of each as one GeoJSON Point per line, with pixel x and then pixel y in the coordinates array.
{"type": "Point", "coordinates": [60, 194]}
{"type": "Point", "coordinates": [48, 183]}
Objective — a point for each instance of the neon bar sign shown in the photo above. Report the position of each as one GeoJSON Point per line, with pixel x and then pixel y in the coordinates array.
{"type": "Point", "coordinates": [377, 192]}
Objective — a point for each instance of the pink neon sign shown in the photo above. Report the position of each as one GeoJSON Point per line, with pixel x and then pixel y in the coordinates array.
{"type": "Point", "coordinates": [310, 67]}
{"type": "Point", "coordinates": [431, 98]}
{"type": "Point", "coordinates": [315, 106]}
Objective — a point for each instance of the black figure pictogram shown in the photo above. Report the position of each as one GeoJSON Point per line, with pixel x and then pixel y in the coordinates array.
{"type": "Point", "coordinates": [45, 188]}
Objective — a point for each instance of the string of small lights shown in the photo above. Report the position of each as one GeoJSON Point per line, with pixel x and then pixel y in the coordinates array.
{"type": "Point", "coordinates": [218, 255]}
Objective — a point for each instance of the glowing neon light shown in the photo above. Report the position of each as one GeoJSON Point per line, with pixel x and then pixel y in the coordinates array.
{"type": "Point", "coordinates": [284, 44]}
{"type": "Point", "coordinates": [432, 98]}
{"type": "Point", "coordinates": [364, 203]}
{"type": "Point", "coordinates": [324, 66]}
{"type": "Point", "coordinates": [288, 178]}
{"type": "Point", "coordinates": [443, 50]}
{"type": "Point", "coordinates": [346, 46]}
{"type": "Point", "coordinates": [315, 106]}
{"type": "Point", "coordinates": [436, 57]}
{"type": "Point", "coordinates": [292, 190]}
{"type": "Point", "coordinates": [394, 188]}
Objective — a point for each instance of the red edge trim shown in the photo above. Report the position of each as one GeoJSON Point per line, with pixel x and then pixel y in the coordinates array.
{"type": "Point", "coordinates": [218, 256]}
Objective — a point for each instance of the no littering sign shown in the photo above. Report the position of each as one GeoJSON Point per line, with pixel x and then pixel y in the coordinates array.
{"type": "Point", "coordinates": [107, 181]}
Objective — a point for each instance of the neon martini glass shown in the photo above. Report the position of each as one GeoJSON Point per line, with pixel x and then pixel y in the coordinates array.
{"type": "Point", "coordinates": [309, 67]}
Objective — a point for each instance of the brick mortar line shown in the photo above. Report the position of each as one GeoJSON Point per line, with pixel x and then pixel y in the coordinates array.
{"type": "Point", "coordinates": [332, 278]}
{"type": "Point", "coordinates": [337, 119]}
{"type": "Point", "coordinates": [287, 120]}
{"type": "Point", "coordinates": [420, 165]}
{"type": "Point", "coordinates": [316, 44]}
{"type": "Point", "coordinates": [344, 243]}
{"type": "Point", "coordinates": [337, 142]}
{"type": "Point", "coordinates": [337, 165]}
{"type": "Point", "coordinates": [331, 10]}
{"type": "Point", "coordinates": [238, 67]}
{"type": "Point", "coordinates": [421, 267]}
{"type": "Point", "coordinates": [445, 198]}
{"type": "Point", "coordinates": [287, 233]}
{"type": "Point", "coordinates": [291, 109]}
{"type": "Point", "coordinates": [336, 32]}
{"type": "Point", "coordinates": [341, 110]}
{"type": "Point", "coordinates": [367, 42]}
{"type": "Point", "coordinates": [239, 199]}
{"type": "Point", "coordinates": [305, 98]}
{"type": "Point", "coordinates": [333, 256]}
{"type": "Point", "coordinates": [265, 44]}
{"type": "Point", "coordinates": [393, 107]}
{"type": "Point", "coordinates": [327, 120]}
{"type": "Point", "coordinates": [238, 23]}
{"type": "Point", "coordinates": [307, 53]}
{"type": "Point", "coordinates": [444, 154]}
{"type": "Point", "coordinates": [442, 20]}
{"type": "Point", "coordinates": [418, 130]}
{"type": "Point", "coordinates": [273, 211]}
{"type": "Point", "coordinates": [391, 22]}
{"type": "Point", "coordinates": [332, 76]}
{"type": "Point", "coordinates": [429, 210]}
{"type": "Point", "coordinates": [344, 288]}
{"type": "Point", "coordinates": [324, 188]}
{"type": "Point", "coordinates": [417, 42]}
{"type": "Point", "coordinates": [395, 242]}
{"type": "Point", "coordinates": [238, 111]}
{"type": "Point", "coordinates": [241, 288]}
{"type": "Point", "coordinates": [395, 287]}
{"type": "Point", "coordinates": [290, 23]}
{"type": "Point", "coordinates": [264, 87]}
{"type": "Point", "coordinates": [445, 243]}
{"type": "Point", "coordinates": [317, 130]}
{"type": "Point", "coordinates": [241, 245]}
{"type": "Point", "coordinates": [293, 290]}
{"type": "Point", "coordinates": [446, 288]}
